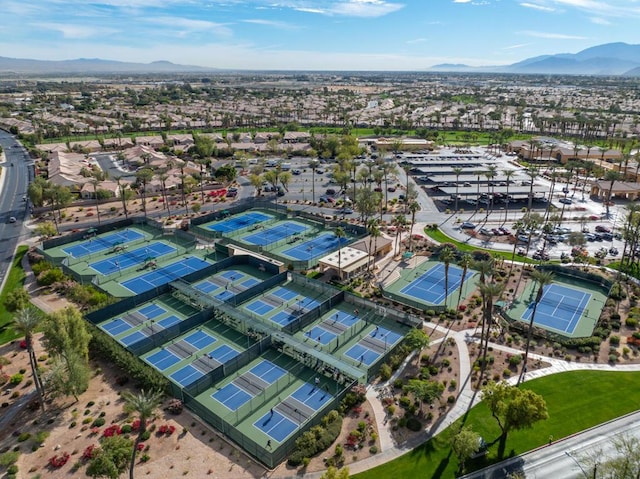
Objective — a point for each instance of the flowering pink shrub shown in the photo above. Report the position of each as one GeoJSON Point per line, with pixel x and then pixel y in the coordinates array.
{"type": "Point", "coordinates": [113, 430]}
{"type": "Point", "coordinates": [59, 461]}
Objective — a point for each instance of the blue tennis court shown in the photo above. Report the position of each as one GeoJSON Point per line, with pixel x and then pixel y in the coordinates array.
{"type": "Point", "coordinates": [319, 246]}
{"type": "Point", "coordinates": [165, 274]}
{"type": "Point", "coordinates": [133, 338]}
{"type": "Point", "coordinates": [430, 286]}
{"type": "Point", "coordinates": [250, 282]}
{"type": "Point", "coordinates": [232, 397]}
{"type": "Point", "coordinates": [163, 359]}
{"type": "Point", "coordinates": [232, 275]}
{"type": "Point", "coordinates": [320, 335]}
{"type": "Point", "coordinates": [224, 295]}
{"type": "Point", "coordinates": [276, 426]}
{"type": "Point", "coordinates": [362, 354]}
{"type": "Point", "coordinates": [169, 321]}
{"type": "Point", "coordinates": [200, 339]}
{"type": "Point", "coordinates": [383, 334]}
{"type": "Point", "coordinates": [239, 222]}
{"type": "Point", "coordinates": [282, 318]}
{"type": "Point", "coordinates": [116, 326]}
{"type": "Point", "coordinates": [207, 286]}
{"type": "Point", "coordinates": [152, 311]}
{"type": "Point", "coordinates": [102, 242]}
{"type": "Point", "coordinates": [345, 318]}
{"type": "Point", "coordinates": [186, 375]}
{"type": "Point", "coordinates": [259, 307]}
{"type": "Point", "coordinates": [132, 258]}
{"type": "Point", "coordinates": [276, 233]}
{"type": "Point", "coordinates": [284, 293]}
{"type": "Point", "coordinates": [267, 371]}
{"type": "Point", "coordinates": [312, 396]}
{"type": "Point", "coordinates": [223, 354]}
{"type": "Point", "coordinates": [560, 308]}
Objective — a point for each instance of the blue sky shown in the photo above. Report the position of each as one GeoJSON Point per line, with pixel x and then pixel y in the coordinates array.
{"type": "Point", "coordinates": [312, 34]}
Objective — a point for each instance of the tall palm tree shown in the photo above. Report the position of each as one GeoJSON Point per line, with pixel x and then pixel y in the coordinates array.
{"type": "Point", "coordinates": [414, 206]}
{"type": "Point", "coordinates": [144, 176]}
{"type": "Point", "coordinates": [143, 405]}
{"type": "Point", "coordinates": [543, 278]}
{"type": "Point", "coordinates": [399, 222]}
{"type": "Point", "coordinates": [464, 261]}
{"type": "Point", "coordinates": [121, 189]}
{"type": "Point", "coordinates": [313, 164]}
{"type": "Point", "coordinates": [26, 322]}
{"type": "Point", "coordinates": [611, 176]}
{"type": "Point", "coordinates": [532, 172]}
{"type": "Point", "coordinates": [95, 181]}
{"type": "Point", "coordinates": [446, 256]}
{"type": "Point", "coordinates": [488, 291]}
{"type": "Point", "coordinates": [374, 234]}
{"type": "Point", "coordinates": [507, 174]}
{"type": "Point", "coordinates": [457, 171]}
{"type": "Point", "coordinates": [339, 232]}
{"type": "Point", "coordinates": [490, 174]}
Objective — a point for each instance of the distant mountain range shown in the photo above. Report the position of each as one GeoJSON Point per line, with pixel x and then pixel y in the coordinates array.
{"type": "Point", "coordinates": [608, 59]}
{"type": "Point", "coordinates": [91, 65]}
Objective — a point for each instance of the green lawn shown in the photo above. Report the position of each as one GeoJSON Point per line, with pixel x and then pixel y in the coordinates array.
{"type": "Point", "coordinates": [440, 237]}
{"type": "Point", "coordinates": [575, 400]}
{"type": "Point", "coordinates": [14, 280]}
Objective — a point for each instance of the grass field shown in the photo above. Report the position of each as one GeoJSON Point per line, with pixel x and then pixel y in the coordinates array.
{"type": "Point", "coordinates": [575, 400]}
{"type": "Point", "coordinates": [15, 279]}
{"type": "Point", "coordinates": [440, 237]}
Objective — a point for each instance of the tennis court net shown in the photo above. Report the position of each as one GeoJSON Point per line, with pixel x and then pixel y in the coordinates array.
{"type": "Point", "coordinates": [272, 300]}
{"type": "Point", "coordinates": [562, 302]}
{"type": "Point", "coordinates": [249, 386]}
{"type": "Point", "coordinates": [134, 318]}
{"type": "Point", "coordinates": [182, 349]}
{"type": "Point", "coordinates": [206, 363]}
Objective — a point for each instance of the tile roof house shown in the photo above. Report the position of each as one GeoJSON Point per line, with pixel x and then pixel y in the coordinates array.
{"type": "Point", "coordinates": [64, 169]}
{"type": "Point", "coordinates": [87, 191]}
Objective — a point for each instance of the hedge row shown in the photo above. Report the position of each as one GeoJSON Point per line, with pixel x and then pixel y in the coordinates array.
{"type": "Point", "coordinates": [317, 439]}
{"type": "Point", "coordinates": [104, 346]}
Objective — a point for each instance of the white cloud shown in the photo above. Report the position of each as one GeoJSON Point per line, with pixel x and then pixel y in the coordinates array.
{"type": "Point", "coordinates": [272, 23]}
{"type": "Point", "coordinates": [600, 21]}
{"type": "Point", "coordinates": [461, 1]}
{"type": "Point", "coordinates": [615, 8]}
{"type": "Point", "coordinates": [513, 47]}
{"type": "Point", "coordinates": [416, 40]}
{"type": "Point", "coordinates": [554, 36]}
{"type": "Point", "coordinates": [184, 26]}
{"type": "Point", "coordinates": [365, 8]}
{"type": "Point", "coordinates": [536, 6]}
{"type": "Point", "coordinates": [76, 31]}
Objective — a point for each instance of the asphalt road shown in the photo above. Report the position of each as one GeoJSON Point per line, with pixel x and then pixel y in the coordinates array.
{"type": "Point", "coordinates": [571, 458]}
{"type": "Point", "coordinates": [11, 203]}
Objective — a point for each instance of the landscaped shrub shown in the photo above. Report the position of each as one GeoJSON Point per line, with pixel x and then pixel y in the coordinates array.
{"type": "Point", "coordinates": [385, 372]}
{"type": "Point", "coordinates": [50, 276]}
{"type": "Point", "coordinates": [175, 406]}
{"type": "Point", "coordinates": [105, 347]}
{"type": "Point", "coordinates": [414, 424]}
{"type": "Point", "coordinates": [98, 422]}
{"type": "Point", "coordinates": [16, 379]}
{"type": "Point", "coordinates": [317, 439]}
{"type": "Point", "coordinates": [126, 429]}
{"type": "Point", "coordinates": [631, 322]}
{"type": "Point", "coordinates": [23, 436]}
{"type": "Point", "coordinates": [614, 340]}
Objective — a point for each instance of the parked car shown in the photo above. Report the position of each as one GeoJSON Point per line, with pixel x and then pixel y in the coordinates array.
{"type": "Point", "coordinates": [467, 225]}
{"type": "Point", "coordinates": [602, 229]}
{"type": "Point", "coordinates": [613, 251]}
{"type": "Point", "coordinates": [485, 231]}
{"type": "Point", "coordinates": [232, 192]}
{"type": "Point", "coordinates": [566, 201]}
{"type": "Point", "coordinates": [12, 219]}
{"type": "Point", "coordinates": [505, 231]}
{"type": "Point", "coordinates": [346, 211]}
{"type": "Point", "coordinates": [523, 238]}
{"type": "Point", "coordinates": [296, 171]}
{"type": "Point", "coordinates": [330, 191]}
{"type": "Point", "coordinates": [391, 189]}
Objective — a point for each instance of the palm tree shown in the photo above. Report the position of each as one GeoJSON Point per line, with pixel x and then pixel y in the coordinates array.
{"type": "Point", "coordinates": [488, 291]}
{"type": "Point", "coordinates": [25, 322]}
{"type": "Point", "coordinates": [143, 405]}
{"type": "Point", "coordinates": [611, 176]}
{"type": "Point", "coordinates": [507, 174]}
{"type": "Point", "coordinates": [413, 209]}
{"type": "Point", "coordinates": [532, 172]}
{"type": "Point", "coordinates": [543, 278]}
{"type": "Point", "coordinates": [457, 171]}
{"type": "Point", "coordinates": [144, 176]}
{"type": "Point", "coordinates": [339, 235]}
{"type": "Point", "coordinates": [95, 181]}
{"type": "Point", "coordinates": [399, 222]}
{"type": "Point", "coordinates": [374, 233]}
{"type": "Point", "coordinates": [313, 164]}
{"type": "Point", "coordinates": [446, 256]}
{"type": "Point", "coordinates": [123, 196]}
{"type": "Point", "coordinates": [464, 261]}
{"type": "Point", "coordinates": [490, 174]}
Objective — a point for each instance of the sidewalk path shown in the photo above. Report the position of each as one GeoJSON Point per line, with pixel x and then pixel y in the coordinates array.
{"type": "Point", "coordinates": [467, 397]}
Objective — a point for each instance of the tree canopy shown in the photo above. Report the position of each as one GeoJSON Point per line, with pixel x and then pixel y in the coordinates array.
{"type": "Point", "coordinates": [514, 408]}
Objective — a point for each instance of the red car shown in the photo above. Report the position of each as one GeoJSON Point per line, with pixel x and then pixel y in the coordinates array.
{"type": "Point", "coordinates": [602, 229]}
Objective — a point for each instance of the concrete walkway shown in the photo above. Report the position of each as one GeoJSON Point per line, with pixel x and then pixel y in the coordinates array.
{"type": "Point", "coordinates": [467, 397]}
